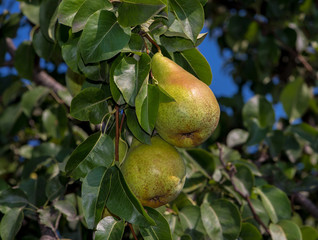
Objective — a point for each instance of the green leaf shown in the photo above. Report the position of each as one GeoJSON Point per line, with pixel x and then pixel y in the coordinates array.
{"type": "Point", "coordinates": [90, 105]}
{"type": "Point", "coordinates": [31, 10]}
{"type": "Point", "coordinates": [95, 189]}
{"type": "Point", "coordinates": [191, 222]}
{"type": "Point", "coordinates": [32, 98]}
{"type": "Point", "coordinates": [55, 121]}
{"type": "Point", "coordinates": [48, 17]}
{"type": "Point", "coordinates": [243, 179]}
{"type": "Point", "coordinates": [197, 64]}
{"type": "Point", "coordinates": [228, 216]}
{"type": "Point", "coordinates": [135, 128]}
{"type": "Point", "coordinates": [101, 29]}
{"type": "Point", "coordinates": [211, 222]}
{"type": "Point", "coordinates": [54, 188]}
{"type": "Point", "coordinates": [276, 203]}
{"type": "Point", "coordinates": [306, 132]}
{"type": "Point", "coordinates": [291, 230]}
{"type": "Point", "coordinates": [67, 11]}
{"type": "Point", "coordinates": [87, 8]}
{"type": "Point", "coordinates": [110, 229]}
{"type": "Point", "coordinates": [261, 110]}
{"type": "Point", "coordinates": [309, 233]}
{"type": "Point", "coordinates": [9, 117]}
{"type": "Point", "coordinates": [11, 224]}
{"type": "Point", "coordinates": [203, 158]}
{"type": "Point", "coordinates": [124, 204]}
{"type": "Point", "coordinates": [34, 190]}
{"type": "Point", "coordinates": [70, 52]}
{"type": "Point", "coordinates": [74, 82]}
{"type": "Point", "coordinates": [10, 25]}
{"type": "Point", "coordinates": [178, 44]}
{"type": "Point", "coordinates": [236, 137]}
{"type": "Point", "coordinates": [250, 232]}
{"type": "Point", "coordinates": [67, 207]}
{"type": "Point", "coordinates": [24, 60]}
{"type": "Point", "coordinates": [135, 12]}
{"type": "Point", "coordinates": [129, 75]}
{"type": "Point", "coordinates": [96, 150]}
{"type": "Point", "coordinates": [43, 48]}
{"type": "Point", "coordinates": [295, 99]}
{"type": "Point", "coordinates": [190, 15]}
{"type": "Point", "coordinates": [147, 104]}
{"type": "Point", "coordinates": [159, 231]}
{"type": "Point", "coordinates": [13, 198]}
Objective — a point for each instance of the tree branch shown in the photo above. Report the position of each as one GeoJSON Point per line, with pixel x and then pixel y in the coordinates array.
{"type": "Point", "coordinates": [40, 77]}
{"type": "Point", "coordinates": [231, 172]}
{"type": "Point", "coordinates": [306, 204]}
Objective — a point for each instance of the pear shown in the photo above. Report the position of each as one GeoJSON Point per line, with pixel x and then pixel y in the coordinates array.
{"type": "Point", "coordinates": [192, 118]}
{"type": "Point", "coordinates": [155, 173]}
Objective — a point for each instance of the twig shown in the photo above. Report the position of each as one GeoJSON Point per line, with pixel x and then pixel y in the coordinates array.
{"type": "Point", "coordinates": [231, 172]}
{"type": "Point", "coordinates": [122, 122]}
{"type": "Point", "coordinates": [144, 34]}
{"type": "Point", "coordinates": [117, 134]}
{"type": "Point", "coordinates": [132, 231]}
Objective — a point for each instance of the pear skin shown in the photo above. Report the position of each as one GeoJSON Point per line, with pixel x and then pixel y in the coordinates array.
{"type": "Point", "coordinates": [192, 118]}
{"type": "Point", "coordinates": [155, 173]}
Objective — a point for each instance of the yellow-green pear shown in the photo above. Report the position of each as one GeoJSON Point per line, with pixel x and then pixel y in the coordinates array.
{"type": "Point", "coordinates": [155, 173]}
{"type": "Point", "coordinates": [192, 118]}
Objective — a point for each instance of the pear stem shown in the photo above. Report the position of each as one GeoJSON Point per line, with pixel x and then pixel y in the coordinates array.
{"type": "Point", "coordinates": [117, 134]}
{"type": "Point", "coordinates": [132, 231]}
{"type": "Point", "coordinates": [144, 34]}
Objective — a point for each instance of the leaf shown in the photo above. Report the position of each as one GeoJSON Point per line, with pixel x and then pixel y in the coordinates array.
{"type": "Point", "coordinates": [11, 224]}
{"type": "Point", "coordinates": [229, 217]}
{"type": "Point", "coordinates": [90, 105]}
{"type": "Point", "coordinates": [48, 17]}
{"type": "Point", "coordinates": [147, 104]}
{"type": "Point", "coordinates": [243, 179]}
{"type": "Point", "coordinates": [124, 204]}
{"type": "Point", "coordinates": [159, 231]}
{"type": "Point", "coordinates": [135, 12]}
{"type": "Point", "coordinates": [250, 232]}
{"type": "Point", "coordinates": [24, 60]}
{"type": "Point", "coordinates": [295, 99]}
{"type": "Point", "coordinates": [174, 44]}
{"type": "Point", "coordinates": [203, 158]}
{"type": "Point", "coordinates": [67, 11]}
{"type": "Point", "coordinates": [198, 64]}
{"type": "Point", "coordinates": [31, 98]}
{"type": "Point", "coordinates": [211, 222]}
{"type": "Point", "coordinates": [190, 15]}
{"type": "Point", "coordinates": [96, 150]}
{"type": "Point", "coordinates": [95, 190]}
{"type": "Point", "coordinates": [101, 29]}
{"type": "Point", "coordinates": [70, 52]}
{"type": "Point", "coordinates": [31, 10]}
{"type": "Point", "coordinates": [87, 8]}
{"type": "Point", "coordinates": [309, 233]}
{"type": "Point", "coordinates": [54, 188]}
{"type": "Point", "coordinates": [276, 202]}
{"type": "Point", "coordinates": [261, 110]}
{"type": "Point", "coordinates": [291, 230]}
{"type": "Point", "coordinates": [236, 137]}
{"type": "Point", "coordinates": [13, 198]}
{"type": "Point", "coordinates": [135, 128]}
{"type": "Point", "coordinates": [191, 223]}
{"type": "Point", "coordinates": [307, 132]}
{"type": "Point", "coordinates": [34, 190]}
{"type": "Point", "coordinates": [110, 229]}
{"type": "Point", "coordinates": [43, 48]}
{"type": "Point", "coordinates": [129, 75]}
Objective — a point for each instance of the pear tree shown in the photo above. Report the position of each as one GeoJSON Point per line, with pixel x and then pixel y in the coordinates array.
{"type": "Point", "coordinates": [109, 129]}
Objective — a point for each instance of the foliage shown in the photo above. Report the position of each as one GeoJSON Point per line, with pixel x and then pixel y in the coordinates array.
{"type": "Point", "coordinates": [62, 130]}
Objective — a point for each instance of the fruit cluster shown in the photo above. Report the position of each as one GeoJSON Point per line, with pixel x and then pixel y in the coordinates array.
{"type": "Point", "coordinates": [156, 173]}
